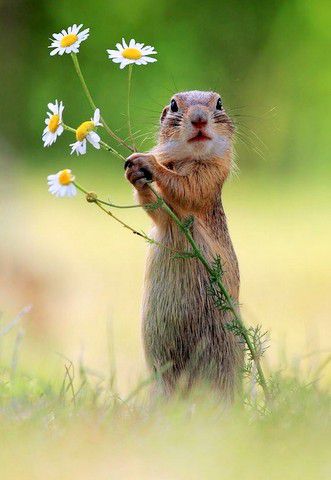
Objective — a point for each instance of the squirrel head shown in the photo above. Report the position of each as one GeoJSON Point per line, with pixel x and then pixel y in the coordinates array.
{"type": "Point", "coordinates": [196, 125]}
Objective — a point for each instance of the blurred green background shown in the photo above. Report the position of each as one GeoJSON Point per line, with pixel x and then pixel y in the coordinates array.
{"type": "Point", "coordinates": [269, 59]}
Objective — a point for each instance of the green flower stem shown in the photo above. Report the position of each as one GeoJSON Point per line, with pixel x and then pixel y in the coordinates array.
{"type": "Point", "coordinates": [102, 201]}
{"type": "Point", "coordinates": [128, 111]}
{"type": "Point", "coordinates": [107, 147]}
{"type": "Point", "coordinates": [69, 129]}
{"type": "Point", "coordinates": [230, 305]}
{"type": "Point", "coordinates": [92, 104]}
{"type": "Point", "coordinates": [125, 225]}
{"type": "Point", "coordinates": [98, 203]}
{"type": "Point", "coordinates": [118, 206]}
{"type": "Point", "coordinates": [92, 198]}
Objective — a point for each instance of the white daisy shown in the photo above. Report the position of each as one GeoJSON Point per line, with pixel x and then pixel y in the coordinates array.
{"type": "Point", "coordinates": [133, 53]}
{"type": "Point", "coordinates": [61, 184]}
{"type": "Point", "coordinates": [85, 132]}
{"type": "Point", "coordinates": [68, 41]}
{"type": "Point", "coordinates": [54, 126]}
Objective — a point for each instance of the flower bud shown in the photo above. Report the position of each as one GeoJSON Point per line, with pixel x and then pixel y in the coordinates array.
{"type": "Point", "coordinates": [91, 197]}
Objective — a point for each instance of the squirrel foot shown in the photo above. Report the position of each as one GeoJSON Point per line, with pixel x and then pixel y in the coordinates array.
{"type": "Point", "coordinates": [139, 169]}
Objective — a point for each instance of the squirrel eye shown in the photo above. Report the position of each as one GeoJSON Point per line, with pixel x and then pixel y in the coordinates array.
{"type": "Point", "coordinates": [173, 106]}
{"type": "Point", "coordinates": [219, 105]}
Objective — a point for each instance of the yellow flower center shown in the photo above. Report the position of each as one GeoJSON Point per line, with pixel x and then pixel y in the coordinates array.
{"type": "Point", "coordinates": [132, 53]}
{"type": "Point", "coordinates": [65, 177]}
{"type": "Point", "coordinates": [83, 130]}
{"type": "Point", "coordinates": [54, 123]}
{"type": "Point", "coordinates": [68, 40]}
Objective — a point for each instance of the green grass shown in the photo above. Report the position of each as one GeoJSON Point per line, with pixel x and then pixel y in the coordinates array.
{"type": "Point", "coordinates": [76, 425]}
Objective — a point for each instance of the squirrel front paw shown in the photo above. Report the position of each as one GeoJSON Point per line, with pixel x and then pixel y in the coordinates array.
{"type": "Point", "coordinates": [139, 169]}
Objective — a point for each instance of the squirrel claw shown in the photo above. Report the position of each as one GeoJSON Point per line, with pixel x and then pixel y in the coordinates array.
{"type": "Point", "coordinates": [127, 164]}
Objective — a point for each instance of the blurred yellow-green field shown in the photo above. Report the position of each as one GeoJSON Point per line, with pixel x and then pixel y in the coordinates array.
{"type": "Point", "coordinates": [83, 273]}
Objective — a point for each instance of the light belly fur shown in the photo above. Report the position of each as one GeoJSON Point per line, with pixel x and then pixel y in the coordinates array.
{"type": "Point", "coordinates": [181, 324]}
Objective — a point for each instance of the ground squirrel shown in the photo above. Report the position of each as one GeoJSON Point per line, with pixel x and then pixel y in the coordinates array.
{"type": "Point", "coordinates": [181, 325]}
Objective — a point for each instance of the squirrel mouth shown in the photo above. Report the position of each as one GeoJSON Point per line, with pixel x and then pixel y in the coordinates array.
{"type": "Point", "coordinates": [199, 137]}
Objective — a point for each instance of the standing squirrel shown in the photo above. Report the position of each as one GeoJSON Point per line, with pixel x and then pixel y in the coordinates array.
{"type": "Point", "coordinates": [182, 327]}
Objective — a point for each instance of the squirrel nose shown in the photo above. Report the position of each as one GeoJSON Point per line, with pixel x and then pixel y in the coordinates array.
{"type": "Point", "coordinates": [199, 121]}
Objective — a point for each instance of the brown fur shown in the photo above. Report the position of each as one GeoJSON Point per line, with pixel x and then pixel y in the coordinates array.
{"type": "Point", "coordinates": [181, 325]}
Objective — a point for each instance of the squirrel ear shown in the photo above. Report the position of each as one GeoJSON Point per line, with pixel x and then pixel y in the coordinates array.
{"type": "Point", "coordinates": [164, 113]}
